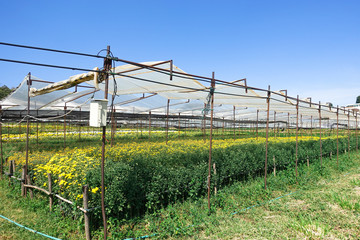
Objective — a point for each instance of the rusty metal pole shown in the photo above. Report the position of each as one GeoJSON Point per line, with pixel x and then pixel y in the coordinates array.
{"type": "Point", "coordinates": [204, 123]}
{"type": "Point", "coordinates": [80, 125]}
{"type": "Point", "coordinates": [356, 133]}
{"type": "Point", "coordinates": [112, 122]}
{"type": "Point", "coordinates": [257, 123]}
{"type": "Point", "coordinates": [297, 133]}
{"type": "Point", "coordinates": [65, 125]}
{"type": "Point", "coordinates": [167, 120]}
{"type": "Point", "coordinates": [210, 140]}
{"type": "Point", "coordinates": [1, 145]}
{"type": "Point", "coordinates": [234, 120]}
{"type": "Point", "coordinates": [149, 125]}
{"type": "Point", "coordinates": [27, 130]}
{"type": "Point", "coordinates": [179, 126]}
{"type": "Point", "coordinates": [320, 134]}
{"type": "Point", "coordinates": [107, 67]}
{"type": "Point", "coordinates": [348, 134]}
{"type": "Point", "coordinates": [267, 132]}
{"type": "Point", "coordinates": [337, 136]}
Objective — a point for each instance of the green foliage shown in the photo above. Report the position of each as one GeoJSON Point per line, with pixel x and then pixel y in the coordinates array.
{"type": "Point", "coordinates": [4, 91]}
{"type": "Point", "coordinates": [358, 99]}
{"type": "Point", "coordinates": [147, 183]}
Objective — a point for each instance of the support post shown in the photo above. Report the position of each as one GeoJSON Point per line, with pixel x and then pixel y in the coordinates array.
{"type": "Point", "coordinates": [274, 124]}
{"type": "Point", "coordinates": [51, 199]}
{"type": "Point", "coordinates": [348, 134]}
{"type": "Point", "coordinates": [86, 214]}
{"type": "Point", "coordinates": [80, 125]}
{"type": "Point", "coordinates": [1, 146]}
{"type": "Point", "coordinates": [167, 120]}
{"type": "Point", "coordinates": [297, 133]}
{"type": "Point", "coordinates": [107, 67]}
{"type": "Point", "coordinates": [27, 132]}
{"type": "Point", "coordinates": [257, 123]}
{"type": "Point", "coordinates": [65, 126]}
{"type": "Point", "coordinates": [267, 132]}
{"type": "Point", "coordinates": [210, 141]}
{"type": "Point", "coordinates": [29, 182]}
{"type": "Point", "coordinates": [337, 136]}
{"type": "Point", "coordinates": [288, 125]}
{"type": "Point", "coordinates": [234, 120]}
{"type": "Point", "coordinates": [179, 125]}
{"type": "Point", "coordinates": [320, 134]}
{"type": "Point", "coordinates": [149, 125]}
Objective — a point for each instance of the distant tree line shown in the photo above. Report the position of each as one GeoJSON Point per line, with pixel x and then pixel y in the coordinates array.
{"type": "Point", "coordinates": [4, 91]}
{"type": "Point", "coordinates": [358, 99]}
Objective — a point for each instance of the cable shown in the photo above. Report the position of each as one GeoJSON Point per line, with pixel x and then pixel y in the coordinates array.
{"type": "Point", "coordinates": [29, 229]}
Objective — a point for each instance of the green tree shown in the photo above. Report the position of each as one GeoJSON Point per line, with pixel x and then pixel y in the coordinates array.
{"type": "Point", "coordinates": [358, 99]}
{"type": "Point", "coordinates": [4, 91]}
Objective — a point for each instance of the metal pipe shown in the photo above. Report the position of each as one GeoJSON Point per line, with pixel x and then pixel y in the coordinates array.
{"type": "Point", "coordinates": [234, 120]}
{"type": "Point", "coordinates": [274, 124]}
{"type": "Point", "coordinates": [149, 125]}
{"type": "Point", "coordinates": [267, 132]}
{"type": "Point", "coordinates": [107, 67]}
{"type": "Point", "coordinates": [257, 123]}
{"type": "Point", "coordinates": [167, 120]}
{"type": "Point", "coordinates": [179, 125]}
{"type": "Point", "coordinates": [288, 125]}
{"type": "Point", "coordinates": [27, 128]}
{"type": "Point", "coordinates": [1, 145]}
{"type": "Point", "coordinates": [337, 136]}
{"type": "Point", "coordinates": [210, 141]}
{"type": "Point", "coordinates": [320, 134]}
{"type": "Point", "coordinates": [349, 134]}
{"type": "Point", "coordinates": [65, 126]}
{"type": "Point", "coordinates": [297, 133]}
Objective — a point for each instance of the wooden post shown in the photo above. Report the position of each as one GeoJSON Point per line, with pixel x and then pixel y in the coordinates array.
{"type": "Point", "coordinates": [23, 181]}
{"type": "Point", "coordinates": [307, 160]}
{"type": "Point", "coordinates": [29, 182]}
{"type": "Point", "coordinates": [86, 214]}
{"type": "Point", "coordinates": [50, 191]}
{"type": "Point", "coordinates": [11, 171]}
{"type": "Point", "coordinates": [274, 166]}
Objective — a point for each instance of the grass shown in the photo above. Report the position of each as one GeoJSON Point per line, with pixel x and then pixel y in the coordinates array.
{"type": "Point", "coordinates": [324, 204]}
{"type": "Point", "coordinates": [33, 214]}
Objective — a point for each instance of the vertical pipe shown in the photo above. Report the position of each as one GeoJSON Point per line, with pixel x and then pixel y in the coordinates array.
{"type": "Point", "coordinates": [107, 67]}
{"type": "Point", "coordinates": [257, 123]}
{"type": "Point", "coordinates": [204, 123]}
{"type": "Point", "coordinates": [80, 125]}
{"type": "Point", "coordinates": [337, 136]}
{"type": "Point", "coordinates": [149, 125]}
{"type": "Point", "coordinates": [179, 125]}
{"type": "Point", "coordinates": [86, 214]}
{"type": "Point", "coordinates": [65, 125]}
{"type": "Point", "coordinates": [210, 141]}
{"type": "Point", "coordinates": [274, 124]}
{"type": "Point", "coordinates": [297, 133]}
{"type": "Point", "coordinates": [234, 120]}
{"type": "Point", "coordinates": [27, 128]}
{"type": "Point", "coordinates": [112, 122]}
{"type": "Point", "coordinates": [356, 131]}
{"type": "Point", "coordinates": [348, 134]}
{"type": "Point", "coordinates": [320, 134]}
{"type": "Point", "coordinates": [167, 120]}
{"type": "Point", "coordinates": [1, 145]}
{"type": "Point", "coordinates": [311, 125]}
{"type": "Point", "coordinates": [37, 126]}
{"type": "Point", "coordinates": [267, 133]}
{"type": "Point", "coordinates": [301, 125]}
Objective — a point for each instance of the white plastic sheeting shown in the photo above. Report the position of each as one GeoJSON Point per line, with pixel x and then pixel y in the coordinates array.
{"type": "Point", "coordinates": [144, 89]}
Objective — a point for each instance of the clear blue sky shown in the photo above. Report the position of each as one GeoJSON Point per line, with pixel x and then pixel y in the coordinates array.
{"type": "Point", "coordinates": [311, 48]}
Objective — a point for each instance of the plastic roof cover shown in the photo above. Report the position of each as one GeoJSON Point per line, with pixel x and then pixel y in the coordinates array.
{"type": "Point", "coordinates": [140, 90]}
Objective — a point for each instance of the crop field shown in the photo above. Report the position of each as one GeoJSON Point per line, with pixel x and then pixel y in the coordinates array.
{"type": "Point", "coordinates": [147, 172]}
